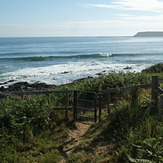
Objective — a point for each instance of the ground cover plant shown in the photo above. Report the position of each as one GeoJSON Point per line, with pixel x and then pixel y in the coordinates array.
{"type": "Point", "coordinates": [32, 131]}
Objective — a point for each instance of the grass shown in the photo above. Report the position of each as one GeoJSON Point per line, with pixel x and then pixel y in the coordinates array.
{"type": "Point", "coordinates": [128, 135]}
{"type": "Point", "coordinates": [32, 131]}
{"type": "Point", "coordinates": [29, 130]}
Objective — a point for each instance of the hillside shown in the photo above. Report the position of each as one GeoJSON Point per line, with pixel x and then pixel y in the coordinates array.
{"type": "Point", "coordinates": [31, 130]}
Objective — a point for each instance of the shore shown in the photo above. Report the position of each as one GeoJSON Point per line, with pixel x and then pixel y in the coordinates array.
{"type": "Point", "coordinates": [38, 86]}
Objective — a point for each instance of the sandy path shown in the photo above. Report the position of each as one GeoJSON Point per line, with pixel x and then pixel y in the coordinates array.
{"type": "Point", "coordinates": [75, 137]}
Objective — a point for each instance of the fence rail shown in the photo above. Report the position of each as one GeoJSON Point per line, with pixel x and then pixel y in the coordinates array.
{"type": "Point", "coordinates": [97, 97]}
{"type": "Point", "coordinates": [122, 89]}
{"type": "Point", "coordinates": [40, 92]}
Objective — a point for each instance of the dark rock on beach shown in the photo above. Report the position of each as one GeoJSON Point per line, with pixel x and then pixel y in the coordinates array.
{"type": "Point", "coordinates": [2, 89]}
{"type": "Point", "coordinates": [127, 68]}
{"type": "Point", "coordinates": [99, 74]}
{"type": "Point", "coordinates": [18, 86]}
{"type": "Point", "coordinates": [25, 86]}
{"type": "Point", "coordinates": [65, 72]}
{"type": "Point", "coordinates": [7, 82]}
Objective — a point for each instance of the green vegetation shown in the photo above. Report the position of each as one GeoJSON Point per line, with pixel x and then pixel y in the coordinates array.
{"type": "Point", "coordinates": [158, 68]}
{"type": "Point", "coordinates": [128, 135]}
{"type": "Point", "coordinates": [32, 131]}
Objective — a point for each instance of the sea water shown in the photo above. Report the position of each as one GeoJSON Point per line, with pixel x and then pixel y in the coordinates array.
{"type": "Point", "coordinates": [60, 60]}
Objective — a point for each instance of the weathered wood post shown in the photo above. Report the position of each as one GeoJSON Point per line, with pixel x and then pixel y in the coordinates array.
{"type": "Point", "coordinates": [100, 107]}
{"type": "Point", "coordinates": [48, 98]}
{"type": "Point", "coordinates": [154, 93]}
{"type": "Point", "coordinates": [75, 106]}
{"type": "Point", "coordinates": [95, 108]}
{"type": "Point", "coordinates": [134, 96]}
{"type": "Point", "coordinates": [108, 101]}
{"type": "Point", "coordinates": [66, 105]}
{"type": "Point", "coordinates": [22, 96]}
{"type": "Point", "coordinates": [160, 112]}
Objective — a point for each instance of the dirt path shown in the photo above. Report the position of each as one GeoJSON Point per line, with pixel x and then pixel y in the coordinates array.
{"type": "Point", "coordinates": [75, 137]}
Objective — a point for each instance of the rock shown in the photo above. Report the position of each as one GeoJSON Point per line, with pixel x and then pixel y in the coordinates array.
{"type": "Point", "coordinates": [7, 82]}
{"type": "Point", "coordinates": [99, 74]}
{"type": "Point", "coordinates": [21, 86]}
{"type": "Point", "coordinates": [18, 86]}
{"type": "Point", "coordinates": [10, 81]}
{"type": "Point", "coordinates": [2, 89]}
{"type": "Point", "coordinates": [127, 68]}
{"type": "Point", "coordinates": [65, 72]}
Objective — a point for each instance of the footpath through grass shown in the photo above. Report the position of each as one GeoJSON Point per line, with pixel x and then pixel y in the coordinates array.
{"type": "Point", "coordinates": [129, 134]}
{"type": "Point", "coordinates": [31, 131]}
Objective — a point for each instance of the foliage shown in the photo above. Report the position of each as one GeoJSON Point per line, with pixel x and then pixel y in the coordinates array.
{"type": "Point", "coordinates": [144, 142]}
{"type": "Point", "coordinates": [21, 121]}
{"type": "Point", "coordinates": [131, 134]}
{"type": "Point", "coordinates": [32, 131]}
{"type": "Point", "coordinates": [158, 68]}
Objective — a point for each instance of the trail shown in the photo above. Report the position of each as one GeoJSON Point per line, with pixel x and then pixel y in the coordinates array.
{"type": "Point", "coordinates": [75, 137]}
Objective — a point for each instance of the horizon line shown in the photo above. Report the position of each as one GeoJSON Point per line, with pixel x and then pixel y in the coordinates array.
{"type": "Point", "coordinates": [66, 36]}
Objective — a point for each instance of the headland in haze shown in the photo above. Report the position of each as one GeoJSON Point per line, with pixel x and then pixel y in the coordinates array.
{"type": "Point", "coordinates": [149, 34]}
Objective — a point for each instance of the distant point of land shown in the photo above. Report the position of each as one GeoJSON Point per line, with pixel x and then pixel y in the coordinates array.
{"type": "Point", "coordinates": [149, 34]}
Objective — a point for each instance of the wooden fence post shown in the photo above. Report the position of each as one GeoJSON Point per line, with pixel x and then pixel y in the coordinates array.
{"type": "Point", "coordinates": [95, 108]}
{"type": "Point", "coordinates": [75, 106]}
{"type": "Point", "coordinates": [66, 105]}
{"type": "Point", "coordinates": [108, 102]}
{"type": "Point", "coordinates": [154, 93]}
{"type": "Point", "coordinates": [160, 112]}
{"type": "Point", "coordinates": [22, 97]}
{"type": "Point", "coordinates": [100, 107]}
{"type": "Point", "coordinates": [134, 96]}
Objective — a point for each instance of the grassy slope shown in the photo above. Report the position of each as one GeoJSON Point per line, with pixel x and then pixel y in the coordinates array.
{"type": "Point", "coordinates": [131, 133]}
{"type": "Point", "coordinates": [128, 134]}
{"type": "Point", "coordinates": [30, 131]}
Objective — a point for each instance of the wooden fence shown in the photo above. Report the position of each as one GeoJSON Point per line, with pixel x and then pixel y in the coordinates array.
{"type": "Point", "coordinates": [155, 85]}
{"type": "Point", "coordinates": [97, 98]}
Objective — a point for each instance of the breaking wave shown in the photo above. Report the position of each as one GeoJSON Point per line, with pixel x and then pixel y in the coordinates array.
{"type": "Point", "coordinates": [81, 56]}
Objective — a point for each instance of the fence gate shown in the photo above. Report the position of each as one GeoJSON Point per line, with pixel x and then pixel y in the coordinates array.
{"type": "Point", "coordinates": [85, 106]}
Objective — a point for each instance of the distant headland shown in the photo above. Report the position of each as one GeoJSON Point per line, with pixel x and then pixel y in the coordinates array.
{"type": "Point", "coordinates": [149, 34]}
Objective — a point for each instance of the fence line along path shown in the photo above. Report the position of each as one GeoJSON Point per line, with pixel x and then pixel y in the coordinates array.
{"type": "Point", "coordinates": [92, 102]}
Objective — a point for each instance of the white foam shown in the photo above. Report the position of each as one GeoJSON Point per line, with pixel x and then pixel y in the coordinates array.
{"type": "Point", "coordinates": [66, 73]}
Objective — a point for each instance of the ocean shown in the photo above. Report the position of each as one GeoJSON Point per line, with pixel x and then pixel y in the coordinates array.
{"type": "Point", "coordinates": [61, 60]}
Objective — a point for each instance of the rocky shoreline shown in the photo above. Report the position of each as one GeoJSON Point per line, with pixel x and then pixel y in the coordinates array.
{"type": "Point", "coordinates": [25, 86]}
{"type": "Point", "coordinates": [38, 86]}
{"type": "Point", "coordinates": [13, 85]}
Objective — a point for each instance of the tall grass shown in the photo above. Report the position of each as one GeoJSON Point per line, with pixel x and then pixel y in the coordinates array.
{"type": "Point", "coordinates": [22, 121]}
{"type": "Point", "coordinates": [32, 131]}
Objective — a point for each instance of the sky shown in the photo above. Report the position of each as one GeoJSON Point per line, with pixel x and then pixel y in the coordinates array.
{"type": "Point", "coordinates": [50, 18]}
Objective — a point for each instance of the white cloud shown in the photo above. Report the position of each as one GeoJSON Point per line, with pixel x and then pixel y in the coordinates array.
{"type": "Point", "coordinates": [105, 6]}
{"type": "Point", "coordinates": [139, 5]}
{"type": "Point", "coordinates": [144, 5]}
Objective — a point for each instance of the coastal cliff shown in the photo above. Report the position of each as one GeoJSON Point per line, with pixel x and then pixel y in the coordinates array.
{"type": "Point", "coordinates": [149, 34]}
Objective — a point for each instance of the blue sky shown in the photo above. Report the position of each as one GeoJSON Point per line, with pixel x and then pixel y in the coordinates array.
{"type": "Point", "coordinates": [36, 18]}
